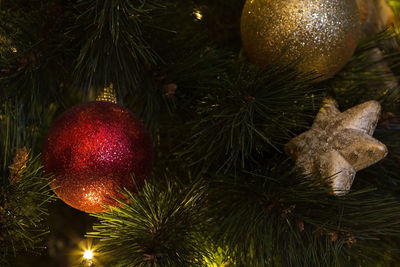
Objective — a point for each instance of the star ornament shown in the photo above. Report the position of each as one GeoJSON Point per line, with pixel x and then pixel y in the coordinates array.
{"type": "Point", "coordinates": [339, 144]}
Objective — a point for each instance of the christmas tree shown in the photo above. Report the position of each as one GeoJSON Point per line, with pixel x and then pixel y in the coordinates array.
{"type": "Point", "coordinates": [199, 133]}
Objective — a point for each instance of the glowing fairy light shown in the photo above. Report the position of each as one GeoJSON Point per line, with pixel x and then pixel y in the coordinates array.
{"type": "Point", "coordinates": [198, 14]}
{"type": "Point", "coordinates": [88, 254]}
{"type": "Point", "coordinates": [88, 258]}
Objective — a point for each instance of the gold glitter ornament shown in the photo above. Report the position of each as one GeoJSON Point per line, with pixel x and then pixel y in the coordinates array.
{"type": "Point", "coordinates": [322, 34]}
{"type": "Point", "coordinates": [339, 144]}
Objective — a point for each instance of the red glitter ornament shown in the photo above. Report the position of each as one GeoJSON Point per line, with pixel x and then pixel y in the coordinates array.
{"type": "Point", "coordinates": [95, 149]}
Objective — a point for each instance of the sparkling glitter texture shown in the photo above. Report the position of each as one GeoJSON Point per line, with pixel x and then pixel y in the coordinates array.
{"type": "Point", "coordinates": [94, 149]}
{"type": "Point", "coordinates": [322, 34]}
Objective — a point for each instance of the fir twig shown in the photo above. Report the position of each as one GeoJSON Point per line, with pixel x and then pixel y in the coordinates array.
{"type": "Point", "coordinates": [158, 227]}
{"type": "Point", "coordinates": [22, 211]}
{"type": "Point", "coordinates": [114, 47]}
{"type": "Point", "coordinates": [254, 110]}
{"type": "Point", "coordinates": [281, 218]}
{"type": "Point", "coordinates": [23, 190]}
{"type": "Point", "coordinates": [30, 62]}
{"type": "Point", "coordinates": [372, 73]}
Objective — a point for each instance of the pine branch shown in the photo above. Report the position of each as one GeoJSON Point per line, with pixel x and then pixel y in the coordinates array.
{"type": "Point", "coordinates": [23, 191]}
{"type": "Point", "coordinates": [161, 226]}
{"type": "Point", "coordinates": [281, 218]}
{"type": "Point", "coordinates": [22, 211]}
{"type": "Point", "coordinates": [190, 64]}
{"type": "Point", "coordinates": [31, 64]}
{"type": "Point", "coordinates": [114, 46]}
{"type": "Point", "coordinates": [253, 110]}
{"type": "Point", "coordinates": [371, 74]}
{"type": "Point", "coordinates": [177, 84]}
{"type": "Point", "coordinates": [385, 174]}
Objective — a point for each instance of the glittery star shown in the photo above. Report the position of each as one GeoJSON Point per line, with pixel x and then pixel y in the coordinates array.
{"type": "Point", "coordinates": [339, 144]}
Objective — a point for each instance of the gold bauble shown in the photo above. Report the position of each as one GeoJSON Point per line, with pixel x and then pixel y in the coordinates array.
{"type": "Point", "coordinates": [321, 34]}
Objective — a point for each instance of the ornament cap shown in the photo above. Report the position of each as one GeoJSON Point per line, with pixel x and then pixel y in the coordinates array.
{"type": "Point", "coordinates": [108, 94]}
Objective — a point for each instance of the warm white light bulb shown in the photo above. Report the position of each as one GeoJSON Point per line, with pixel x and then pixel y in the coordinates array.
{"type": "Point", "coordinates": [198, 14]}
{"type": "Point", "coordinates": [88, 254]}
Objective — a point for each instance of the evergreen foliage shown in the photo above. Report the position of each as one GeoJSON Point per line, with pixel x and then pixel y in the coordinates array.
{"type": "Point", "coordinates": [281, 218]}
{"type": "Point", "coordinates": [222, 191]}
{"type": "Point", "coordinates": [162, 226]}
{"type": "Point", "coordinates": [254, 110]}
{"type": "Point", "coordinates": [23, 189]}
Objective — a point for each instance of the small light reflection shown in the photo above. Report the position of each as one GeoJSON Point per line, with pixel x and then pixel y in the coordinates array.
{"type": "Point", "coordinates": [198, 14]}
{"type": "Point", "coordinates": [87, 254]}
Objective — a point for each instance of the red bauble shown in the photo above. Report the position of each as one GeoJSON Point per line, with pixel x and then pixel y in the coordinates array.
{"type": "Point", "coordinates": [93, 151]}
